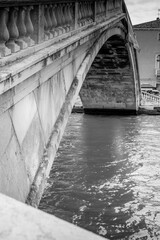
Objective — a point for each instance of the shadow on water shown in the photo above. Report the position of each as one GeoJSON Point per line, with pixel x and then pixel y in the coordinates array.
{"type": "Point", "coordinates": [106, 176]}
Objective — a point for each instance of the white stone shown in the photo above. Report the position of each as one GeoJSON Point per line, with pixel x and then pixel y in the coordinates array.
{"type": "Point", "coordinates": [13, 172]}
{"type": "Point", "coordinates": [46, 107]}
{"type": "Point", "coordinates": [5, 132]}
{"type": "Point", "coordinates": [21, 222]}
{"type": "Point", "coordinates": [22, 114]}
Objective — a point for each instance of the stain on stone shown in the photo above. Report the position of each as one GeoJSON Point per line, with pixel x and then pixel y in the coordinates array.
{"type": "Point", "coordinates": [109, 82]}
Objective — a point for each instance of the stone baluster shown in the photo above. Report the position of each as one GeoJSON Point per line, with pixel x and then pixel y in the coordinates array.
{"type": "Point", "coordinates": [101, 8]}
{"type": "Point", "coordinates": [79, 14]}
{"type": "Point", "coordinates": [116, 4]}
{"type": "Point", "coordinates": [63, 18]}
{"type": "Point", "coordinates": [87, 12]}
{"type": "Point", "coordinates": [48, 23]}
{"type": "Point", "coordinates": [120, 5]}
{"type": "Point", "coordinates": [91, 10]}
{"type": "Point", "coordinates": [83, 13]}
{"type": "Point", "coordinates": [29, 27]}
{"type": "Point", "coordinates": [54, 21]}
{"type": "Point", "coordinates": [13, 31]}
{"type": "Point", "coordinates": [46, 37]}
{"type": "Point", "coordinates": [4, 34]}
{"type": "Point", "coordinates": [66, 17]}
{"type": "Point", "coordinates": [84, 10]}
{"type": "Point", "coordinates": [98, 10]}
{"type": "Point", "coordinates": [59, 19]}
{"type": "Point", "coordinates": [70, 14]}
{"type": "Point", "coordinates": [112, 5]}
{"type": "Point", "coordinates": [21, 28]}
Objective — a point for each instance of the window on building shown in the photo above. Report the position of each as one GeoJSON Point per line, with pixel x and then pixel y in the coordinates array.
{"type": "Point", "coordinates": [158, 37]}
{"type": "Point", "coordinates": [158, 62]}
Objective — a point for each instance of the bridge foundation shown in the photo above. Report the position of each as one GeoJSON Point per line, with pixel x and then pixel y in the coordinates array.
{"type": "Point", "coordinates": [109, 87]}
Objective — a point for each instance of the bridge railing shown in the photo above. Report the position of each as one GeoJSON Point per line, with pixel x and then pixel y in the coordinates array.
{"type": "Point", "coordinates": [26, 23]}
{"type": "Point", "coordinates": [150, 99]}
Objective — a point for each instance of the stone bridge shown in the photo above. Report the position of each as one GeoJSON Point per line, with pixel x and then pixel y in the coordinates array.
{"type": "Point", "coordinates": [50, 51]}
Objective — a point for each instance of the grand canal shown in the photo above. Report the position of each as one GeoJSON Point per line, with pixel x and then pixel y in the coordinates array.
{"type": "Point", "coordinates": [106, 176]}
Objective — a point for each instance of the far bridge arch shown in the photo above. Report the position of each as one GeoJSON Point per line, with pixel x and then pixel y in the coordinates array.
{"type": "Point", "coordinates": [110, 78]}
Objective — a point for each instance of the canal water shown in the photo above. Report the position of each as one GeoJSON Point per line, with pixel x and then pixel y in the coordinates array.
{"type": "Point", "coordinates": [106, 176]}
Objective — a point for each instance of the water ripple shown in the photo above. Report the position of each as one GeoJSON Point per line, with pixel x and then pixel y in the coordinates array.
{"type": "Point", "coordinates": [106, 177]}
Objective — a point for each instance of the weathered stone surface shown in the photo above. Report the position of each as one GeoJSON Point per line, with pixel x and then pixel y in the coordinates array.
{"type": "Point", "coordinates": [25, 88]}
{"type": "Point", "coordinates": [68, 75]}
{"type": "Point", "coordinates": [46, 107]}
{"type": "Point", "coordinates": [59, 92]}
{"type": "Point", "coordinates": [21, 222]}
{"type": "Point", "coordinates": [22, 114]}
{"type": "Point", "coordinates": [110, 81]}
{"type": "Point", "coordinates": [6, 132]}
{"type": "Point", "coordinates": [6, 100]}
{"type": "Point", "coordinates": [13, 172]}
{"type": "Point", "coordinates": [43, 89]}
{"type": "Point", "coordinates": [32, 147]}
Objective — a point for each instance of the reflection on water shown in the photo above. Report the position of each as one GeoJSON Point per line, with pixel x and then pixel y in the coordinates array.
{"type": "Point", "coordinates": [106, 177]}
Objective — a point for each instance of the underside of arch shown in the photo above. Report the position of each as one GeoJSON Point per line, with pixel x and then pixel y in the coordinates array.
{"type": "Point", "coordinates": [111, 82]}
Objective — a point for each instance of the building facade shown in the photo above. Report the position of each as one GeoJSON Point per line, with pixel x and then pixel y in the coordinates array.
{"type": "Point", "coordinates": [148, 37]}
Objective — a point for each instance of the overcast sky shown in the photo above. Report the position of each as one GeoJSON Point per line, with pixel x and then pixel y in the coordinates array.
{"type": "Point", "coordinates": [143, 10]}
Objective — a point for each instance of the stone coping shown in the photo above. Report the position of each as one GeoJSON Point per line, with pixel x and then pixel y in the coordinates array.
{"type": "Point", "coordinates": [36, 2]}
{"type": "Point", "coordinates": [13, 74]}
{"type": "Point", "coordinates": [19, 221]}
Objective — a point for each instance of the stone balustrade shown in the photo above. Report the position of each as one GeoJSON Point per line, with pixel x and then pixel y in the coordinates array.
{"type": "Point", "coordinates": [85, 13]}
{"type": "Point", "coordinates": [24, 24]}
{"type": "Point", "coordinates": [150, 99]}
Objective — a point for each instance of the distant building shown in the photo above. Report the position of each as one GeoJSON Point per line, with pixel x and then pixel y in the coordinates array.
{"type": "Point", "coordinates": [148, 37]}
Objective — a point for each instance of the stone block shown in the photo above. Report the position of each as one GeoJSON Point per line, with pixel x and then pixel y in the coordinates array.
{"type": "Point", "coordinates": [68, 75]}
{"type": "Point", "coordinates": [13, 176]}
{"type": "Point", "coordinates": [32, 147]}
{"type": "Point", "coordinates": [50, 71]}
{"type": "Point", "coordinates": [77, 62]}
{"type": "Point", "coordinates": [26, 87]}
{"type": "Point", "coordinates": [5, 132]}
{"type": "Point", "coordinates": [22, 115]}
{"type": "Point", "coordinates": [6, 100]}
{"type": "Point", "coordinates": [46, 107]}
{"type": "Point", "coordinates": [59, 92]}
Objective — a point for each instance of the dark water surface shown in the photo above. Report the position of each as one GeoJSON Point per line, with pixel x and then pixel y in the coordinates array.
{"type": "Point", "coordinates": [106, 177]}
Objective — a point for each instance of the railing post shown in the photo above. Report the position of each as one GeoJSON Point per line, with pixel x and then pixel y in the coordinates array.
{"type": "Point", "coordinates": [13, 30]}
{"type": "Point", "coordinates": [94, 11]}
{"type": "Point", "coordinates": [21, 28]}
{"type": "Point", "coordinates": [29, 27]}
{"type": "Point", "coordinates": [4, 33]}
{"type": "Point", "coordinates": [38, 23]}
{"type": "Point", "coordinates": [106, 8]}
{"type": "Point", "coordinates": [76, 15]}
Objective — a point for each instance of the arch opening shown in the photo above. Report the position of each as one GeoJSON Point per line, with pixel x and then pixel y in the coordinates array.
{"type": "Point", "coordinates": [109, 86]}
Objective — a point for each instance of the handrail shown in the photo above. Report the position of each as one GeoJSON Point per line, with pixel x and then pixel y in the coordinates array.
{"type": "Point", "coordinates": [148, 98]}
{"type": "Point", "coordinates": [26, 23]}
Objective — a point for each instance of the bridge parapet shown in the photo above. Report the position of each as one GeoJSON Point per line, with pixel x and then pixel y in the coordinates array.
{"type": "Point", "coordinates": [149, 99]}
{"type": "Point", "coordinates": [26, 25]}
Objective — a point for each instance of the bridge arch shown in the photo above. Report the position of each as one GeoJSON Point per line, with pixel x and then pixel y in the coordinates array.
{"type": "Point", "coordinates": [109, 74]}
